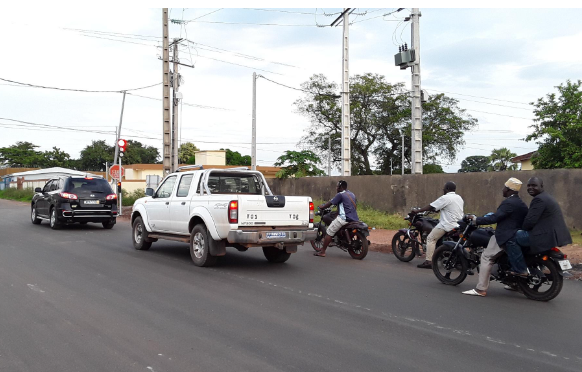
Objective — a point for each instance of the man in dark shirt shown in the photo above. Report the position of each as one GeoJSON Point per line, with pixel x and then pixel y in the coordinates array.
{"type": "Point", "coordinates": [509, 218]}
{"type": "Point", "coordinates": [346, 204]}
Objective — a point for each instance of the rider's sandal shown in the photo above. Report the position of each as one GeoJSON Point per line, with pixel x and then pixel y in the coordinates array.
{"type": "Point", "coordinates": [319, 254]}
{"type": "Point", "coordinates": [473, 292]}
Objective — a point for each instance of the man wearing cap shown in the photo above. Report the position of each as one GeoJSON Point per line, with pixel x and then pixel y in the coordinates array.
{"type": "Point", "coordinates": [509, 218]}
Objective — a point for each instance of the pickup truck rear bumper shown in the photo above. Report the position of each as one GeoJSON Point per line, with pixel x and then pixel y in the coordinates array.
{"type": "Point", "coordinates": [271, 237]}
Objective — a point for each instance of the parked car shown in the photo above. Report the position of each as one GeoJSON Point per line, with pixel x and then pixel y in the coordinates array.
{"type": "Point", "coordinates": [211, 209]}
{"type": "Point", "coordinates": [67, 199]}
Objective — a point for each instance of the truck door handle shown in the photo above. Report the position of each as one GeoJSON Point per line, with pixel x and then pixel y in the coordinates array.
{"type": "Point", "coordinates": [183, 203]}
{"type": "Point", "coordinates": [167, 203]}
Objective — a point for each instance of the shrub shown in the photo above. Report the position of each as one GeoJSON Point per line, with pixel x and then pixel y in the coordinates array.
{"type": "Point", "coordinates": [128, 198]}
{"type": "Point", "coordinates": [15, 194]}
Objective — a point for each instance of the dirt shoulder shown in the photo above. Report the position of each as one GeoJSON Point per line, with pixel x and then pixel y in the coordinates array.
{"type": "Point", "coordinates": [381, 241]}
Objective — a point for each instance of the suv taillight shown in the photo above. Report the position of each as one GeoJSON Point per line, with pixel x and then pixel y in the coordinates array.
{"type": "Point", "coordinates": [111, 197]}
{"type": "Point", "coordinates": [66, 195]}
{"type": "Point", "coordinates": [233, 212]}
{"type": "Point", "coordinates": [311, 212]}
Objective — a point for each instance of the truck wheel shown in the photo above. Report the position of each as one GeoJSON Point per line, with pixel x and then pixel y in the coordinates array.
{"type": "Point", "coordinates": [275, 255]}
{"type": "Point", "coordinates": [139, 235]}
{"type": "Point", "coordinates": [199, 247]}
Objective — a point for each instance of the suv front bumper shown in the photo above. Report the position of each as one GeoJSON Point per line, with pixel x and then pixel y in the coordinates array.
{"type": "Point", "coordinates": [268, 238]}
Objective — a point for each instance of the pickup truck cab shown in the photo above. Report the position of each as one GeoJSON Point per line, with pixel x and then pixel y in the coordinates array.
{"type": "Point", "coordinates": [211, 209]}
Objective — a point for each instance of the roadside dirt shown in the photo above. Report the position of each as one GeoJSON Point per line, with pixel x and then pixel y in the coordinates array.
{"type": "Point", "coordinates": [381, 241]}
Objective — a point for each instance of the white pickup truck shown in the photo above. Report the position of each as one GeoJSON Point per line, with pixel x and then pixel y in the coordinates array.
{"type": "Point", "coordinates": [214, 208]}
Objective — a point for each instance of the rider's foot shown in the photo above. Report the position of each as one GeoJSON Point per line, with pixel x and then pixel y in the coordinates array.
{"type": "Point", "coordinates": [475, 292]}
{"type": "Point", "coordinates": [510, 287]}
{"type": "Point", "coordinates": [523, 275]}
{"type": "Point", "coordinates": [319, 254]}
{"type": "Point", "coordinates": [425, 265]}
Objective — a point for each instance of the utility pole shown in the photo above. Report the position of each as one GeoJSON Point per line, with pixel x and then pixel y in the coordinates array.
{"type": "Point", "coordinates": [346, 136]}
{"type": "Point", "coordinates": [403, 154]}
{"type": "Point", "coordinates": [329, 156]}
{"type": "Point", "coordinates": [254, 139]}
{"type": "Point", "coordinates": [119, 130]}
{"type": "Point", "coordinates": [416, 130]}
{"type": "Point", "coordinates": [176, 87]}
{"type": "Point", "coordinates": [166, 153]}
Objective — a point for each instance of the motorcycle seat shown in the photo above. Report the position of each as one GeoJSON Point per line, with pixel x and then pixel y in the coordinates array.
{"type": "Point", "coordinates": [355, 225]}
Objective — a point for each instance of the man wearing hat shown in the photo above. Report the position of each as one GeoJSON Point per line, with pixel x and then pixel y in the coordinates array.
{"type": "Point", "coordinates": [509, 218]}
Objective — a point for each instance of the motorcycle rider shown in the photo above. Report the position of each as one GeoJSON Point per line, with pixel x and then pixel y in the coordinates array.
{"type": "Point", "coordinates": [450, 206]}
{"type": "Point", "coordinates": [346, 203]}
{"type": "Point", "coordinates": [509, 218]}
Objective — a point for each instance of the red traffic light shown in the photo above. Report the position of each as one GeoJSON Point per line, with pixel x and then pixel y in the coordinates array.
{"type": "Point", "coordinates": [122, 145]}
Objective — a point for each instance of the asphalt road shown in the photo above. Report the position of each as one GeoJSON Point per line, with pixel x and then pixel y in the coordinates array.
{"type": "Point", "coordinates": [82, 299]}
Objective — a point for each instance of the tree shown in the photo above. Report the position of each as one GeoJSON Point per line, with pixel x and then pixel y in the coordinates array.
{"type": "Point", "coordinates": [21, 154]}
{"type": "Point", "coordinates": [137, 153]}
{"type": "Point", "coordinates": [300, 164]}
{"type": "Point", "coordinates": [187, 153]}
{"type": "Point", "coordinates": [557, 128]}
{"type": "Point", "coordinates": [94, 156]}
{"type": "Point", "coordinates": [501, 160]}
{"type": "Point", "coordinates": [236, 158]}
{"type": "Point", "coordinates": [56, 158]}
{"type": "Point", "coordinates": [380, 114]}
{"type": "Point", "coordinates": [432, 168]}
{"type": "Point", "coordinates": [476, 163]}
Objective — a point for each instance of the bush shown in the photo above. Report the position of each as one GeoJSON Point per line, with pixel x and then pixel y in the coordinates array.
{"type": "Point", "coordinates": [15, 194]}
{"type": "Point", "coordinates": [128, 198]}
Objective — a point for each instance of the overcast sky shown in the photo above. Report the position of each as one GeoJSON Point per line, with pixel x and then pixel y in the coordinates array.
{"type": "Point", "coordinates": [494, 61]}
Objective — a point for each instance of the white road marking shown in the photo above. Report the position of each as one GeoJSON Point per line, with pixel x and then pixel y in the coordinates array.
{"type": "Point", "coordinates": [35, 288]}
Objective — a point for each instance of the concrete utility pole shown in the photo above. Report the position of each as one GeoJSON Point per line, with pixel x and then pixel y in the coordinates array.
{"type": "Point", "coordinates": [346, 135]}
{"type": "Point", "coordinates": [329, 156]}
{"type": "Point", "coordinates": [176, 87]}
{"type": "Point", "coordinates": [416, 132]}
{"type": "Point", "coordinates": [119, 130]}
{"type": "Point", "coordinates": [166, 154]}
{"type": "Point", "coordinates": [254, 139]}
{"type": "Point", "coordinates": [402, 154]}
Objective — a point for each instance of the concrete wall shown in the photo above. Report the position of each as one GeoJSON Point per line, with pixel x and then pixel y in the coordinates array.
{"type": "Point", "coordinates": [480, 191]}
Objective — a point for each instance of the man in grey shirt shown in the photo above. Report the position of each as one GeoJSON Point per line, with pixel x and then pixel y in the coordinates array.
{"type": "Point", "coordinates": [450, 206]}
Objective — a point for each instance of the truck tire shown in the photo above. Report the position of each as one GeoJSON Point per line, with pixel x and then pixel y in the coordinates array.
{"type": "Point", "coordinates": [275, 255]}
{"type": "Point", "coordinates": [200, 247]}
{"type": "Point", "coordinates": [139, 235]}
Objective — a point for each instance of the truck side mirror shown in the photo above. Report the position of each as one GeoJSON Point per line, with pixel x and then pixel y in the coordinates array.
{"type": "Point", "coordinates": [38, 189]}
{"type": "Point", "coordinates": [149, 191]}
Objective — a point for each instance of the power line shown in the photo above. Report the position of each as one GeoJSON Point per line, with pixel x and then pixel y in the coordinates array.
{"type": "Point", "coordinates": [301, 90]}
{"type": "Point", "coordinates": [493, 113]}
{"type": "Point", "coordinates": [383, 15]}
{"type": "Point", "coordinates": [260, 24]}
{"type": "Point", "coordinates": [214, 11]}
{"type": "Point", "coordinates": [187, 104]}
{"type": "Point", "coordinates": [121, 41]}
{"type": "Point", "coordinates": [468, 95]}
{"type": "Point", "coordinates": [279, 10]}
{"type": "Point", "coordinates": [238, 64]}
{"type": "Point", "coordinates": [78, 90]}
{"type": "Point", "coordinates": [108, 32]}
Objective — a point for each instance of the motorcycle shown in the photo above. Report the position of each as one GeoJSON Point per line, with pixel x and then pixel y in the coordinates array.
{"type": "Point", "coordinates": [351, 238]}
{"type": "Point", "coordinates": [451, 261]}
{"type": "Point", "coordinates": [411, 241]}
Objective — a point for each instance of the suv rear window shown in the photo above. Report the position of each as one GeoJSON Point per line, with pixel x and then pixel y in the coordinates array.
{"type": "Point", "coordinates": [234, 184]}
{"type": "Point", "coordinates": [90, 185]}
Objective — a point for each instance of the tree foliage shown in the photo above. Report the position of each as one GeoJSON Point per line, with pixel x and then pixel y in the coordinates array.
{"type": "Point", "coordinates": [137, 153]}
{"type": "Point", "coordinates": [500, 160]}
{"type": "Point", "coordinates": [21, 154]}
{"type": "Point", "coordinates": [299, 164]}
{"type": "Point", "coordinates": [236, 158]}
{"type": "Point", "coordinates": [187, 153]}
{"type": "Point", "coordinates": [94, 156]}
{"type": "Point", "coordinates": [380, 114]}
{"type": "Point", "coordinates": [476, 163]}
{"type": "Point", "coordinates": [557, 128]}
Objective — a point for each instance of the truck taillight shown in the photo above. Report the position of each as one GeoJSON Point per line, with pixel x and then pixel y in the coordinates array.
{"type": "Point", "coordinates": [233, 212]}
{"type": "Point", "coordinates": [311, 212]}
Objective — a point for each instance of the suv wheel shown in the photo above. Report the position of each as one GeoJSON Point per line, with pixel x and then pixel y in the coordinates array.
{"type": "Point", "coordinates": [55, 224]}
{"type": "Point", "coordinates": [34, 216]}
{"type": "Point", "coordinates": [108, 225]}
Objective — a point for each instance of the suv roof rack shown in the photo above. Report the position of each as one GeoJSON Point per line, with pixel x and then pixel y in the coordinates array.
{"type": "Point", "coordinates": [185, 167]}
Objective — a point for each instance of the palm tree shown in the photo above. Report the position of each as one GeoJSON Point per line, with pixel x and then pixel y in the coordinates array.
{"type": "Point", "coordinates": [501, 160]}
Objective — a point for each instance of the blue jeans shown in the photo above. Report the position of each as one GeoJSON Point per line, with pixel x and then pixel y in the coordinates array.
{"type": "Point", "coordinates": [514, 253]}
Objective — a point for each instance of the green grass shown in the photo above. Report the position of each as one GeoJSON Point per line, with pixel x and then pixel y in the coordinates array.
{"type": "Point", "coordinates": [129, 197]}
{"type": "Point", "coordinates": [24, 195]}
{"type": "Point", "coordinates": [576, 236]}
{"type": "Point", "coordinates": [374, 217]}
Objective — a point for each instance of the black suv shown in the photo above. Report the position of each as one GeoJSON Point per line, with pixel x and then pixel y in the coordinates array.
{"type": "Point", "coordinates": [74, 199]}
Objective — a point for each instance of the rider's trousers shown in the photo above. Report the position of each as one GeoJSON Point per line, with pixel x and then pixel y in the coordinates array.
{"type": "Point", "coordinates": [488, 258]}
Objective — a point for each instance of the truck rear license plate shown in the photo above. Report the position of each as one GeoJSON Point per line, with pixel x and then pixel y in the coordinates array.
{"type": "Point", "coordinates": [275, 235]}
{"type": "Point", "coordinates": [565, 264]}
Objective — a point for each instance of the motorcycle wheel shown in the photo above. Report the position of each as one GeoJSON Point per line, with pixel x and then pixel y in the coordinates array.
{"type": "Point", "coordinates": [545, 283]}
{"type": "Point", "coordinates": [402, 247]}
{"type": "Point", "coordinates": [442, 258]}
{"type": "Point", "coordinates": [359, 247]}
{"type": "Point", "coordinates": [317, 244]}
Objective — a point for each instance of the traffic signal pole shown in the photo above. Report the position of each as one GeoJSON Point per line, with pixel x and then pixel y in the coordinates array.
{"type": "Point", "coordinates": [119, 130]}
{"type": "Point", "coordinates": [120, 194]}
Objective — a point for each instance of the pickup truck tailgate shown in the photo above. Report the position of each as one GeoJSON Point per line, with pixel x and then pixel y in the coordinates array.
{"type": "Point", "coordinates": [273, 211]}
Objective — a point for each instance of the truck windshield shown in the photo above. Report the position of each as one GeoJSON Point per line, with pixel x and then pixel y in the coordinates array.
{"type": "Point", "coordinates": [224, 183]}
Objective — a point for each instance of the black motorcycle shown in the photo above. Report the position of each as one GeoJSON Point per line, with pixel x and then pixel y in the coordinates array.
{"type": "Point", "coordinates": [411, 241]}
{"type": "Point", "coordinates": [451, 261]}
{"type": "Point", "coordinates": [351, 238]}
